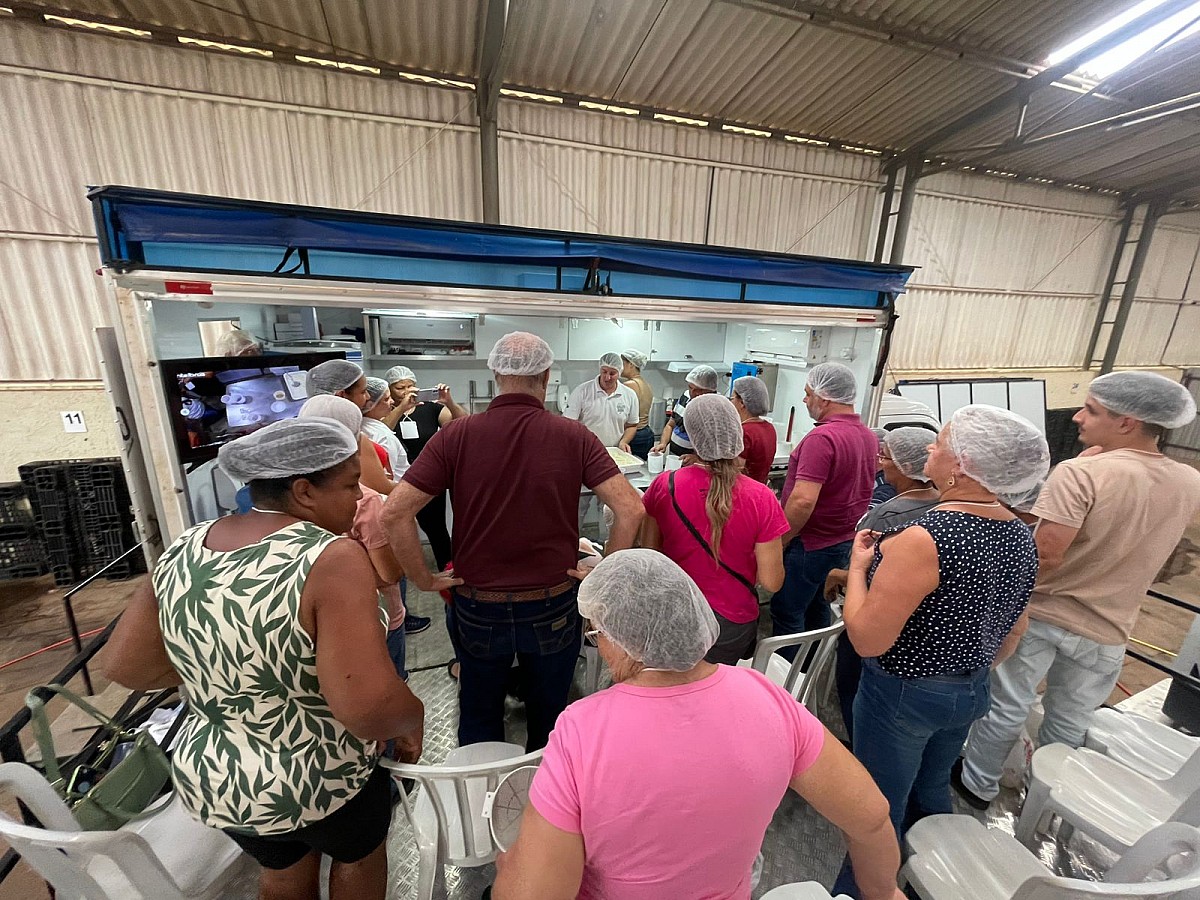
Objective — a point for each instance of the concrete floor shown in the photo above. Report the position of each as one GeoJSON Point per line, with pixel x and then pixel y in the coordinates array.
{"type": "Point", "coordinates": [31, 617]}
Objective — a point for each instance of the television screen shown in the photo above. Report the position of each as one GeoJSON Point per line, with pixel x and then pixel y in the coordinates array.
{"type": "Point", "coordinates": [213, 400]}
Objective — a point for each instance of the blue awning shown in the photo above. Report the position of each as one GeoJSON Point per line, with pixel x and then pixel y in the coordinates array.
{"type": "Point", "coordinates": [142, 229]}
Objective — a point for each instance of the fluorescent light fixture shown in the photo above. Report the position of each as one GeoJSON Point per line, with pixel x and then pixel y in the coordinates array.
{"type": "Point", "coordinates": [336, 64]}
{"type": "Point", "coordinates": [681, 120]}
{"type": "Point", "coordinates": [6, 11]}
{"type": "Point", "coordinates": [1042, 180]}
{"type": "Point", "coordinates": [867, 150]}
{"type": "Point", "coordinates": [741, 129]}
{"type": "Point", "coordinates": [999, 173]}
{"type": "Point", "coordinates": [796, 139]}
{"type": "Point", "coordinates": [98, 26]}
{"type": "Point", "coordinates": [1152, 116]}
{"type": "Point", "coordinates": [229, 48]}
{"type": "Point", "coordinates": [610, 108]}
{"type": "Point", "coordinates": [529, 95]}
{"type": "Point", "coordinates": [440, 82]}
{"type": "Point", "coordinates": [1135, 47]}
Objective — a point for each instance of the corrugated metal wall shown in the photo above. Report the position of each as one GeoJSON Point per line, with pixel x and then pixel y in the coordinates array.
{"type": "Point", "coordinates": [1009, 272]}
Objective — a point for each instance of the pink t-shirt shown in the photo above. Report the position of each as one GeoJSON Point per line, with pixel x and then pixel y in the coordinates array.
{"type": "Point", "coordinates": [673, 788]}
{"type": "Point", "coordinates": [756, 518]}
{"type": "Point", "coordinates": [368, 530]}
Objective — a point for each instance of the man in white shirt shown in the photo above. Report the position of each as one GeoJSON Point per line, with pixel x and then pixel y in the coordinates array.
{"type": "Point", "coordinates": [606, 407]}
{"type": "Point", "coordinates": [609, 410]}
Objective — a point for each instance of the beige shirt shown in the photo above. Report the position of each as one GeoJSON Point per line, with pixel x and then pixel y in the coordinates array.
{"type": "Point", "coordinates": [1131, 509]}
{"type": "Point", "coordinates": [645, 396]}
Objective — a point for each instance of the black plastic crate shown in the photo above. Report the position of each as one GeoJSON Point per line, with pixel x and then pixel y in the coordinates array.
{"type": "Point", "coordinates": [14, 506]}
{"type": "Point", "coordinates": [47, 489]}
{"type": "Point", "coordinates": [22, 557]}
{"type": "Point", "coordinates": [62, 554]}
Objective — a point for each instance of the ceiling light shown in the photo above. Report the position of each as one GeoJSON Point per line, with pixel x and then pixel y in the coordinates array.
{"type": "Point", "coordinates": [796, 139]}
{"type": "Point", "coordinates": [98, 26]}
{"type": "Point", "coordinates": [230, 48]}
{"type": "Point", "coordinates": [335, 64]}
{"type": "Point", "coordinates": [740, 129]}
{"type": "Point", "coordinates": [867, 150]}
{"type": "Point", "coordinates": [608, 107]}
{"type": "Point", "coordinates": [440, 82]}
{"type": "Point", "coordinates": [1171, 30]}
{"type": "Point", "coordinates": [681, 120]}
{"type": "Point", "coordinates": [529, 95]}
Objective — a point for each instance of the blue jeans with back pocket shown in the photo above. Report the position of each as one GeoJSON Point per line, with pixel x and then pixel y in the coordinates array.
{"type": "Point", "coordinates": [907, 733]}
{"type": "Point", "coordinates": [542, 635]}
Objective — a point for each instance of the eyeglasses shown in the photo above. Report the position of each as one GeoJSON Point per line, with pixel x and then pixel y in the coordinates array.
{"type": "Point", "coordinates": [882, 455]}
{"type": "Point", "coordinates": [591, 635]}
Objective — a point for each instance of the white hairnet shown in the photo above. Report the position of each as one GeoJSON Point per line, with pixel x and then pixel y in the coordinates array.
{"type": "Point", "coordinates": [1145, 396]}
{"type": "Point", "coordinates": [377, 389]}
{"type": "Point", "coordinates": [833, 382]}
{"type": "Point", "coordinates": [703, 377]}
{"type": "Point", "coordinates": [1001, 450]}
{"type": "Point", "coordinates": [332, 376]}
{"type": "Point", "coordinates": [753, 391]}
{"type": "Point", "coordinates": [909, 448]}
{"type": "Point", "coordinates": [637, 357]}
{"type": "Point", "coordinates": [327, 406]}
{"type": "Point", "coordinates": [611, 361]}
{"type": "Point", "coordinates": [288, 448]}
{"type": "Point", "coordinates": [520, 353]}
{"type": "Point", "coordinates": [1022, 501]}
{"type": "Point", "coordinates": [236, 342]}
{"type": "Point", "coordinates": [714, 427]}
{"type": "Point", "coordinates": [649, 607]}
{"type": "Point", "coordinates": [399, 373]}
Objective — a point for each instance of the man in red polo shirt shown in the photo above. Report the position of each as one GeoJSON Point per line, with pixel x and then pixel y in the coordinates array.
{"type": "Point", "coordinates": [514, 473]}
{"type": "Point", "coordinates": [827, 490]}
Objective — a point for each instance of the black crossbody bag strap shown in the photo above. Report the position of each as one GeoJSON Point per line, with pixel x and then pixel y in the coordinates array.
{"type": "Point", "coordinates": [741, 579]}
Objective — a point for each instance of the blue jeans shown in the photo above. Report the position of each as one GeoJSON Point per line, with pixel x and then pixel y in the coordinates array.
{"type": "Point", "coordinates": [396, 647]}
{"type": "Point", "coordinates": [800, 605]}
{"type": "Point", "coordinates": [907, 734]}
{"type": "Point", "coordinates": [643, 440]}
{"type": "Point", "coordinates": [543, 635]}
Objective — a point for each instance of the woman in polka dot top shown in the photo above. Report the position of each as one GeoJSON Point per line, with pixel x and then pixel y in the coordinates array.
{"type": "Point", "coordinates": [933, 606]}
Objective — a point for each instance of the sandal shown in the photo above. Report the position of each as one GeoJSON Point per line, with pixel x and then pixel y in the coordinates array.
{"type": "Point", "coordinates": [453, 669]}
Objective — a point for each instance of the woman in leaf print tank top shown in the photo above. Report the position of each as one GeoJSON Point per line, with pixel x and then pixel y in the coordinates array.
{"type": "Point", "coordinates": [272, 623]}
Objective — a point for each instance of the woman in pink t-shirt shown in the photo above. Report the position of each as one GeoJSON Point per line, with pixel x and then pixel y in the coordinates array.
{"type": "Point", "coordinates": [722, 527]}
{"type": "Point", "coordinates": [663, 785]}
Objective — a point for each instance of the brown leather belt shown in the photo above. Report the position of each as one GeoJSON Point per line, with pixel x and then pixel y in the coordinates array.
{"type": "Point", "coordinates": [516, 596]}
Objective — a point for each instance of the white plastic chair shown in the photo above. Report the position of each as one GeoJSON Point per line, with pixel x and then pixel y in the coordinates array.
{"type": "Point", "coordinates": [1152, 748]}
{"type": "Point", "coordinates": [790, 675]}
{"type": "Point", "coordinates": [801, 890]}
{"type": "Point", "coordinates": [447, 819]}
{"type": "Point", "coordinates": [164, 855]}
{"type": "Point", "coordinates": [593, 665]}
{"type": "Point", "coordinates": [957, 856]}
{"type": "Point", "coordinates": [1103, 798]}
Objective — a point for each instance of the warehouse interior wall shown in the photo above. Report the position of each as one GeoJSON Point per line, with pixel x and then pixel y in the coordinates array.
{"type": "Point", "coordinates": [1009, 272]}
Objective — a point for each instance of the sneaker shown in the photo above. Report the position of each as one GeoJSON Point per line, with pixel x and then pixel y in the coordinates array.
{"type": "Point", "coordinates": [972, 799]}
{"type": "Point", "coordinates": [416, 624]}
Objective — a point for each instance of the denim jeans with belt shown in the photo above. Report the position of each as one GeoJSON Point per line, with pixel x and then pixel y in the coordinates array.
{"type": "Point", "coordinates": [1080, 675]}
{"type": "Point", "coordinates": [800, 605]}
{"type": "Point", "coordinates": [543, 635]}
{"type": "Point", "coordinates": [907, 733]}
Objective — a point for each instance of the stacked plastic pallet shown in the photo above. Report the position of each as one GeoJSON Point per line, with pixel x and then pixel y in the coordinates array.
{"type": "Point", "coordinates": [21, 551]}
{"type": "Point", "coordinates": [83, 514]}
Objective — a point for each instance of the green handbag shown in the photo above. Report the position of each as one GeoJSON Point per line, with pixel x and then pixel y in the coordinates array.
{"type": "Point", "coordinates": [116, 796]}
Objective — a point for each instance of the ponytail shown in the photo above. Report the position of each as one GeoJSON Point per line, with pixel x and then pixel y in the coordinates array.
{"type": "Point", "coordinates": [720, 498]}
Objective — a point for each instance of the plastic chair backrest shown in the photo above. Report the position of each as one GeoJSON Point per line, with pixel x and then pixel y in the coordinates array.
{"type": "Point", "coordinates": [1187, 780]}
{"type": "Point", "coordinates": [462, 824]}
{"type": "Point", "coordinates": [1171, 849]}
{"type": "Point", "coordinates": [62, 856]}
{"type": "Point", "coordinates": [800, 683]}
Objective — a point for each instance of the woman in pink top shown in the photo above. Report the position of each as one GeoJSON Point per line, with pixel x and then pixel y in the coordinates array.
{"type": "Point", "coordinates": [722, 527]}
{"type": "Point", "coordinates": [663, 785]}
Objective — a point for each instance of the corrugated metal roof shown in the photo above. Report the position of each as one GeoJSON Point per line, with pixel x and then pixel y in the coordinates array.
{"type": "Point", "coordinates": [883, 73]}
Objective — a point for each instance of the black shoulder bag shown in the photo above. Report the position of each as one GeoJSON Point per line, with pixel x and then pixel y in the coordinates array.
{"type": "Point", "coordinates": [741, 579]}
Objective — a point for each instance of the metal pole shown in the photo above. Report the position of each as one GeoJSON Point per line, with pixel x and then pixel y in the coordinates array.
{"type": "Point", "coordinates": [489, 164]}
{"type": "Point", "coordinates": [1106, 294]}
{"type": "Point", "coordinates": [885, 215]}
{"type": "Point", "coordinates": [1140, 252]}
{"type": "Point", "coordinates": [908, 193]}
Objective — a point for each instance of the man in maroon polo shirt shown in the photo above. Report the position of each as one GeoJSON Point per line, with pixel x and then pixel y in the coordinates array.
{"type": "Point", "coordinates": [514, 474]}
{"type": "Point", "coordinates": [828, 487]}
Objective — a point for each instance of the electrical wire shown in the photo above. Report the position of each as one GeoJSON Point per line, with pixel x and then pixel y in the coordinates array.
{"type": "Point", "coordinates": [54, 646]}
